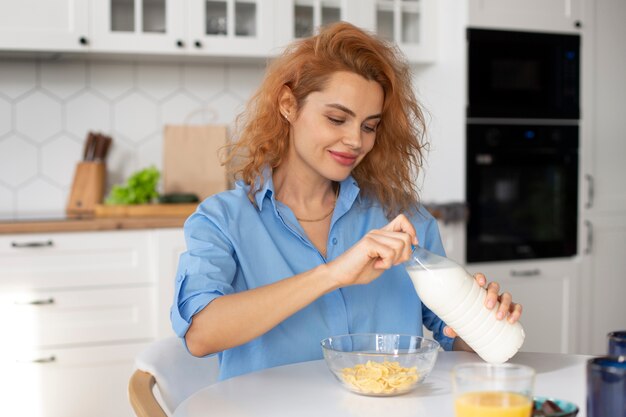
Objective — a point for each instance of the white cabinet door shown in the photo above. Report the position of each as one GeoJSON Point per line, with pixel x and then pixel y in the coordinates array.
{"type": "Point", "coordinates": [603, 190]}
{"type": "Point", "coordinates": [604, 284]}
{"type": "Point", "coordinates": [548, 292]}
{"type": "Point", "coordinates": [169, 244]}
{"type": "Point", "coordinates": [57, 318]}
{"type": "Point", "coordinates": [69, 382]}
{"type": "Point", "coordinates": [65, 260]}
{"type": "Point", "coordinates": [50, 25]}
{"type": "Point", "coordinates": [604, 90]}
{"type": "Point", "coordinates": [239, 28]}
{"type": "Point", "coordinates": [139, 26]}
{"type": "Point", "coordinates": [533, 15]}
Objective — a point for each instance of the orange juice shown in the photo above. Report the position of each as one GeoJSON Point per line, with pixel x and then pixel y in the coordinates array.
{"type": "Point", "coordinates": [492, 404]}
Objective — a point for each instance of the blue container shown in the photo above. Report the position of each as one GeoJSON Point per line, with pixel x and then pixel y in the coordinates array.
{"type": "Point", "coordinates": [606, 386]}
{"type": "Point", "coordinates": [617, 343]}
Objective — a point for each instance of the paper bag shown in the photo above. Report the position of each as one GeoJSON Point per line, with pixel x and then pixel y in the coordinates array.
{"type": "Point", "coordinates": [190, 160]}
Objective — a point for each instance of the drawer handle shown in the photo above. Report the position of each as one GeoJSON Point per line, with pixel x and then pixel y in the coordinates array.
{"type": "Point", "coordinates": [47, 301]}
{"type": "Point", "coordinates": [46, 244]}
{"type": "Point", "coordinates": [527, 273]}
{"type": "Point", "coordinates": [49, 359]}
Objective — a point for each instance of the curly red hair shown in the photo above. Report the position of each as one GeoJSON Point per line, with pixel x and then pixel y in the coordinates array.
{"type": "Point", "coordinates": [387, 172]}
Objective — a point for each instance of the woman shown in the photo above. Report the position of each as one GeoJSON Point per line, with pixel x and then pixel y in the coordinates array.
{"type": "Point", "coordinates": [311, 241]}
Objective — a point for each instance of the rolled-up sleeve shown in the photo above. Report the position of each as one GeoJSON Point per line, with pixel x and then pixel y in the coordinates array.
{"type": "Point", "coordinates": [205, 271]}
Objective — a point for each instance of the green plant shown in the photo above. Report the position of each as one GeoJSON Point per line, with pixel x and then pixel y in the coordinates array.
{"type": "Point", "coordinates": [140, 188]}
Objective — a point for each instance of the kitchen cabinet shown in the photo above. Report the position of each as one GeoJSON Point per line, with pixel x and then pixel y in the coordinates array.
{"type": "Point", "coordinates": [604, 285]}
{"type": "Point", "coordinates": [603, 189]}
{"type": "Point", "coordinates": [533, 15]}
{"type": "Point", "coordinates": [169, 244]}
{"type": "Point", "coordinates": [68, 382]}
{"type": "Point", "coordinates": [191, 27]}
{"type": "Point", "coordinates": [143, 26]}
{"type": "Point", "coordinates": [35, 25]}
{"type": "Point", "coordinates": [411, 24]}
{"type": "Point", "coordinates": [76, 309]}
{"type": "Point", "coordinates": [548, 292]}
{"type": "Point", "coordinates": [222, 28]}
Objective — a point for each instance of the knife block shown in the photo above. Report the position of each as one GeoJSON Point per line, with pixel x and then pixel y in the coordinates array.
{"type": "Point", "coordinates": [87, 188]}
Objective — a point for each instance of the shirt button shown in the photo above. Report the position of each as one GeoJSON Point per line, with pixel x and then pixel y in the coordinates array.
{"type": "Point", "coordinates": [334, 241]}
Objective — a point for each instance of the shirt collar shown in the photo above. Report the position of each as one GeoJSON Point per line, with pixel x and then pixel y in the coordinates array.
{"type": "Point", "coordinates": [267, 188]}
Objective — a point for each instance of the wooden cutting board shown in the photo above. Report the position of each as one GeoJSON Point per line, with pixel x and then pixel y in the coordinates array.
{"type": "Point", "coordinates": [145, 210]}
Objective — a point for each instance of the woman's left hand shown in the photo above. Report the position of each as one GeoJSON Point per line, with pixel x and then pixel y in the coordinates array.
{"type": "Point", "coordinates": [507, 309]}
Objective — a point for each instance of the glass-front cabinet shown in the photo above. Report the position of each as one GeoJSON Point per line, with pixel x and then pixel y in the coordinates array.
{"type": "Point", "coordinates": [309, 15]}
{"type": "Point", "coordinates": [412, 24]}
{"type": "Point", "coordinates": [230, 27]}
{"type": "Point", "coordinates": [204, 27]}
{"type": "Point", "coordinates": [142, 26]}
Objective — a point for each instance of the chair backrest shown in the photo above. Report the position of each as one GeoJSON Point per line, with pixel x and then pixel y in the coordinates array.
{"type": "Point", "coordinates": [176, 372]}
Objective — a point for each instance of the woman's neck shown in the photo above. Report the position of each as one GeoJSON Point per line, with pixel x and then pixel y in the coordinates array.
{"type": "Point", "coordinates": [298, 190]}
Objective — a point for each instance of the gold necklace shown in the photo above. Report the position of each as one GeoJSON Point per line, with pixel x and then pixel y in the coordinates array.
{"type": "Point", "coordinates": [324, 216]}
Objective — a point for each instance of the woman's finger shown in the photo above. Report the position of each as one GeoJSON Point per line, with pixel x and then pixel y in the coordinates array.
{"type": "Point", "coordinates": [480, 278]}
{"type": "Point", "coordinates": [505, 303]}
{"type": "Point", "coordinates": [402, 224]}
{"type": "Point", "coordinates": [515, 313]}
{"type": "Point", "coordinates": [492, 294]}
{"type": "Point", "coordinates": [449, 331]}
{"type": "Point", "coordinates": [400, 241]}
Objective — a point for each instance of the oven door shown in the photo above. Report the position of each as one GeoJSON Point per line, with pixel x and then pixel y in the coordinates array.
{"type": "Point", "coordinates": [522, 192]}
{"type": "Point", "coordinates": [523, 75]}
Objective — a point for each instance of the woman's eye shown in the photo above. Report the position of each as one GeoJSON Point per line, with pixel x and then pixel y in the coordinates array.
{"type": "Point", "coordinates": [335, 121]}
{"type": "Point", "coordinates": [369, 129]}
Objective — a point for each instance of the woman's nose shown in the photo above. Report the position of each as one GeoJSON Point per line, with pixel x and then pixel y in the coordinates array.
{"type": "Point", "coordinates": [352, 138]}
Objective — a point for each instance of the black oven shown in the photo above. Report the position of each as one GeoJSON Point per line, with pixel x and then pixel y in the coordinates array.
{"type": "Point", "coordinates": [523, 75]}
{"type": "Point", "coordinates": [522, 191]}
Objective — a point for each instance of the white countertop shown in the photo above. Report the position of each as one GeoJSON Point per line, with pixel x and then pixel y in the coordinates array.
{"type": "Point", "coordinates": [309, 389]}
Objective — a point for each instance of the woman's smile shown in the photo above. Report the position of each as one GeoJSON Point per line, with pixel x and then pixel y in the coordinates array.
{"type": "Point", "coordinates": [344, 158]}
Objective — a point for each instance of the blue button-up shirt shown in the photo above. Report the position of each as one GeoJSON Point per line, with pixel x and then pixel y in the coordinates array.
{"type": "Point", "coordinates": [233, 246]}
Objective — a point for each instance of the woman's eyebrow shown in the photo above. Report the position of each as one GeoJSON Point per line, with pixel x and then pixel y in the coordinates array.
{"type": "Point", "coordinates": [350, 112]}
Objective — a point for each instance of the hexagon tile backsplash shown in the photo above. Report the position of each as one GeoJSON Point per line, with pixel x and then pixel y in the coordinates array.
{"type": "Point", "coordinates": [47, 108]}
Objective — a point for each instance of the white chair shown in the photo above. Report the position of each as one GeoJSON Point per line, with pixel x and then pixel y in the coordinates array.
{"type": "Point", "coordinates": [165, 375]}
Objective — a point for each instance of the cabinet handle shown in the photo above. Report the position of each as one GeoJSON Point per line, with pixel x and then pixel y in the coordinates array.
{"type": "Point", "coordinates": [49, 359]}
{"type": "Point", "coordinates": [198, 44]}
{"type": "Point", "coordinates": [578, 24]}
{"type": "Point", "coordinates": [526, 273]}
{"type": "Point", "coordinates": [590, 191]}
{"type": "Point", "coordinates": [589, 227]}
{"type": "Point", "coordinates": [45, 244]}
{"type": "Point", "coordinates": [45, 302]}
{"type": "Point", "coordinates": [83, 41]}
{"type": "Point", "coordinates": [180, 43]}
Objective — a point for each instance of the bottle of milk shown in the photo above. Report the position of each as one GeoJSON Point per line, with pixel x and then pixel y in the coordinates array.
{"type": "Point", "coordinates": [455, 296]}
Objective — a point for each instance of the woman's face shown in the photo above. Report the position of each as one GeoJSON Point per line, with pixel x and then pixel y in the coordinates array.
{"type": "Point", "coordinates": [336, 127]}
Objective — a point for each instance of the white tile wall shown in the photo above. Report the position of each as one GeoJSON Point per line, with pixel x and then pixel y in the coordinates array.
{"type": "Point", "coordinates": [47, 108]}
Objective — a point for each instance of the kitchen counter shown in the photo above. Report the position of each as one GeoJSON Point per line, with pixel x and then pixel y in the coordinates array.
{"type": "Point", "coordinates": [84, 224]}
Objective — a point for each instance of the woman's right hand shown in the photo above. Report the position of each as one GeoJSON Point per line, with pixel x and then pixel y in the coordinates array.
{"type": "Point", "coordinates": [377, 251]}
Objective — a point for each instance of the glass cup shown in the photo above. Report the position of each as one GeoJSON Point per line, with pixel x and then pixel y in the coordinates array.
{"type": "Point", "coordinates": [617, 343]}
{"type": "Point", "coordinates": [493, 390]}
{"type": "Point", "coordinates": [606, 386]}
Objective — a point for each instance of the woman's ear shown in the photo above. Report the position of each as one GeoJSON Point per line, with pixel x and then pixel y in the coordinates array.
{"type": "Point", "coordinates": [287, 103]}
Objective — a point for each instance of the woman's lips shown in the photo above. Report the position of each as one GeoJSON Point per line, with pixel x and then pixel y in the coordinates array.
{"type": "Point", "coordinates": [346, 159]}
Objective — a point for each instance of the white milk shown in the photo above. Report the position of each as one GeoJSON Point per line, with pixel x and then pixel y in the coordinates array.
{"type": "Point", "coordinates": [455, 296]}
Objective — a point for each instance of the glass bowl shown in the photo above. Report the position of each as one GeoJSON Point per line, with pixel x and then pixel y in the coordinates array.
{"type": "Point", "coordinates": [380, 364]}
